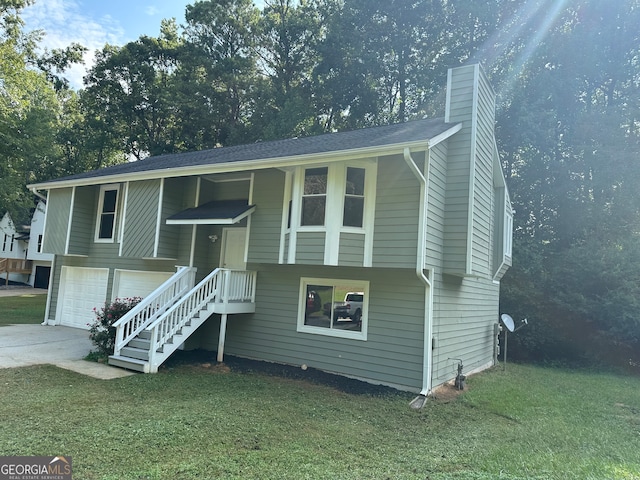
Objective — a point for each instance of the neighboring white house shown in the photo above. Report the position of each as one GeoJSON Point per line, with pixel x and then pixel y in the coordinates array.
{"type": "Point", "coordinates": [21, 257]}
{"type": "Point", "coordinates": [41, 262]}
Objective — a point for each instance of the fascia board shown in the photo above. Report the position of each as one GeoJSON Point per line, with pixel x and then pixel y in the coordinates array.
{"type": "Point", "coordinates": [280, 162]}
{"type": "Point", "coordinates": [444, 135]}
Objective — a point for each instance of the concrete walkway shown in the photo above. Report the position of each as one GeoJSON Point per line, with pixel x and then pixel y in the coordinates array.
{"type": "Point", "coordinates": [64, 347]}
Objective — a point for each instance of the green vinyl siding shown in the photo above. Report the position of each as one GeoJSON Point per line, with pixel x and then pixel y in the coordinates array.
{"type": "Point", "coordinates": [459, 168]}
{"type": "Point", "coordinates": [483, 182]}
{"type": "Point", "coordinates": [58, 209]}
{"type": "Point", "coordinates": [223, 190]}
{"type": "Point", "coordinates": [465, 311]}
{"type": "Point", "coordinates": [437, 176]}
{"type": "Point", "coordinates": [141, 216]}
{"type": "Point", "coordinates": [310, 248]}
{"type": "Point", "coordinates": [395, 237]}
{"type": "Point", "coordinates": [391, 355]}
{"type": "Point", "coordinates": [351, 252]}
{"type": "Point", "coordinates": [175, 240]}
{"type": "Point", "coordinates": [83, 220]}
{"type": "Point", "coordinates": [469, 193]}
{"type": "Point", "coordinates": [266, 221]}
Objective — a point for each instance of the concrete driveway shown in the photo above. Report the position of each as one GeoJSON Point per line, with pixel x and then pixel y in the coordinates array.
{"type": "Point", "coordinates": [64, 347]}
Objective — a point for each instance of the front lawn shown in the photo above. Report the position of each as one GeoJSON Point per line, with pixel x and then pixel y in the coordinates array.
{"type": "Point", "coordinates": [210, 422]}
{"type": "Point", "coordinates": [22, 309]}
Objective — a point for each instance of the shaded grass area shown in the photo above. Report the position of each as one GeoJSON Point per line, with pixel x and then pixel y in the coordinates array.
{"type": "Point", "coordinates": [22, 309]}
{"type": "Point", "coordinates": [236, 422]}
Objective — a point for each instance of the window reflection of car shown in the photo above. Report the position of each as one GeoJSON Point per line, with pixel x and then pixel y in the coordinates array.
{"type": "Point", "coordinates": [313, 302]}
{"type": "Point", "coordinates": [350, 308]}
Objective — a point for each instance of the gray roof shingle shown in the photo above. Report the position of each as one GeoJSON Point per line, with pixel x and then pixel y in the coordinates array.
{"type": "Point", "coordinates": [399, 133]}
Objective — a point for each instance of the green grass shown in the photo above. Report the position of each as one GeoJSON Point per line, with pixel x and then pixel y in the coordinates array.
{"type": "Point", "coordinates": [209, 423]}
{"type": "Point", "coordinates": [22, 309]}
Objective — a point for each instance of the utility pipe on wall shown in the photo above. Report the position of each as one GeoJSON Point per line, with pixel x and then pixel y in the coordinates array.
{"type": "Point", "coordinates": [421, 260]}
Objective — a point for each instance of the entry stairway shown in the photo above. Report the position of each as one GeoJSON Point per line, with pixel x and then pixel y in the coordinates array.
{"type": "Point", "coordinates": [155, 328]}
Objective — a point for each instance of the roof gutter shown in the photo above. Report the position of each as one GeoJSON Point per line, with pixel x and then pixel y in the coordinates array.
{"type": "Point", "coordinates": [420, 272]}
{"type": "Point", "coordinates": [35, 191]}
{"type": "Point", "coordinates": [235, 166]}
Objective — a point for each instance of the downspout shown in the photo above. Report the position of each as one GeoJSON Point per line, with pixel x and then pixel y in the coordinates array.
{"type": "Point", "coordinates": [420, 272]}
{"type": "Point", "coordinates": [38, 194]}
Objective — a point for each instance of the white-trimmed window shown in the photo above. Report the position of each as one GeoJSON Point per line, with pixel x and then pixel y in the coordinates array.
{"type": "Point", "coordinates": [314, 196]}
{"type": "Point", "coordinates": [353, 215]}
{"type": "Point", "coordinates": [107, 213]}
{"type": "Point", "coordinates": [508, 231]}
{"type": "Point", "coordinates": [4, 243]}
{"type": "Point", "coordinates": [40, 243]}
{"type": "Point", "coordinates": [332, 307]}
{"type": "Point", "coordinates": [335, 196]}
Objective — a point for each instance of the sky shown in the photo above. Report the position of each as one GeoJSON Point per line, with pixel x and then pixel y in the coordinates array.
{"type": "Point", "coordinates": [92, 23]}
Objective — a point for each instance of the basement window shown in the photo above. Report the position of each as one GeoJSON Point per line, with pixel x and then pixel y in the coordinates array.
{"type": "Point", "coordinates": [337, 308]}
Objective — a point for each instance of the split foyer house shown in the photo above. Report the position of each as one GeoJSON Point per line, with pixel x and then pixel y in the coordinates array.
{"type": "Point", "coordinates": [375, 254]}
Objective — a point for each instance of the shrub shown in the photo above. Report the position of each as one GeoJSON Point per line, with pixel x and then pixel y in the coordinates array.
{"type": "Point", "coordinates": [101, 332]}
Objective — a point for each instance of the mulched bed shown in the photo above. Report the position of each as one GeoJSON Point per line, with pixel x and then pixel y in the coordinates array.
{"type": "Point", "coordinates": [207, 359]}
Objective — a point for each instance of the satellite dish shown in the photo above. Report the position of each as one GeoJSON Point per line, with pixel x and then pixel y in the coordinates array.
{"type": "Point", "coordinates": [507, 321]}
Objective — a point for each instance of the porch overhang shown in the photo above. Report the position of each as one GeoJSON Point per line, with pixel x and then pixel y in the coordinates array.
{"type": "Point", "coordinates": [219, 212]}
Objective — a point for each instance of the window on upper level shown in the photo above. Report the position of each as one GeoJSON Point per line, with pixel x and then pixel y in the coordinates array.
{"type": "Point", "coordinates": [508, 231]}
{"type": "Point", "coordinates": [39, 244]}
{"type": "Point", "coordinates": [5, 242]}
{"type": "Point", "coordinates": [334, 196]}
{"type": "Point", "coordinates": [314, 196]}
{"type": "Point", "coordinates": [327, 204]}
{"type": "Point", "coordinates": [107, 213]}
{"type": "Point", "coordinates": [354, 198]}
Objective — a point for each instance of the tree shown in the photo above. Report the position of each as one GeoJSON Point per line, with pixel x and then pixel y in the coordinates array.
{"type": "Point", "coordinates": [288, 34]}
{"type": "Point", "coordinates": [29, 112]}
{"type": "Point", "coordinates": [221, 48]}
{"type": "Point", "coordinates": [129, 93]}
{"type": "Point", "coordinates": [571, 139]}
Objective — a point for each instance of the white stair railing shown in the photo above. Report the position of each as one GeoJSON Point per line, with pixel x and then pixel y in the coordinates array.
{"type": "Point", "coordinates": [221, 286]}
{"type": "Point", "coordinates": [152, 306]}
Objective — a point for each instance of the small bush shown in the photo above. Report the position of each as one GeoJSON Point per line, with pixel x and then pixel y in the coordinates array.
{"type": "Point", "coordinates": [101, 332]}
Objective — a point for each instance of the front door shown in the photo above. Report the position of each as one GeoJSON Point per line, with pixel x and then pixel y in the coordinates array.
{"type": "Point", "coordinates": [233, 248]}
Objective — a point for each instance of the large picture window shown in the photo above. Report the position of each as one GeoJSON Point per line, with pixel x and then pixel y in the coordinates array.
{"type": "Point", "coordinates": [336, 308]}
{"type": "Point", "coordinates": [107, 213]}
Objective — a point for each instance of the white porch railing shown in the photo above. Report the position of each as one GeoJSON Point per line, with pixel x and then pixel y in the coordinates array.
{"type": "Point", "coordinates": [220, 291]}
{"type": "Point", "coordinates": [152, 306]}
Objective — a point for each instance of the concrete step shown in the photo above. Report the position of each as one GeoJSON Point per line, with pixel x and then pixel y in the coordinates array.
{"type": "Point", "coordinates": [129, 363]}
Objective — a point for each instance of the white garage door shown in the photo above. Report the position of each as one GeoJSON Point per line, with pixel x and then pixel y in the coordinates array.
{"type": "Point", "coordinates": [81, 290]}
{"type": "Point", "coordinates": [135, 283]}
